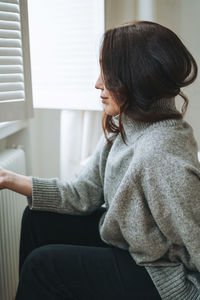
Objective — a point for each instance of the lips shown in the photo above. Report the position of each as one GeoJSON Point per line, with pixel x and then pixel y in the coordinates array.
{"type": "Point", "coordinates": [104, 99]}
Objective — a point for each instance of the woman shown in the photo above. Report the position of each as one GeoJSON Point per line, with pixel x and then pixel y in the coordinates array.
{"type": "Point", "coordinates": [145, 243]}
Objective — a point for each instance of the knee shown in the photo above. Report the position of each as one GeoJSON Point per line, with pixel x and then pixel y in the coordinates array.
{"type": "Point", "coordinates": [36, 260]}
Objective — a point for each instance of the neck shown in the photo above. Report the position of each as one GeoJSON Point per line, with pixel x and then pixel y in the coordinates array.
{"type": "Point", "coordinates": [164, 105]}
{"type": "Point", "coordinates": [133, 127]}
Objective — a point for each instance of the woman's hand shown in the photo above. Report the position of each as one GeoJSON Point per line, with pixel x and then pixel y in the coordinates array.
{"type": "Point", "coordinates": [16, 182]}
{"type": "Point", "coordinates": [2, 178]}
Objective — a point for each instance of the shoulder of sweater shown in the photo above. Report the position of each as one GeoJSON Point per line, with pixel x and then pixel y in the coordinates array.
{"type": "Point", "coordinates": [160, 140]}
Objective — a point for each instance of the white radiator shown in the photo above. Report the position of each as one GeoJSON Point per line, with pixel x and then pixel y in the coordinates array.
{"type": "Point", "coordinates": [11, 209]}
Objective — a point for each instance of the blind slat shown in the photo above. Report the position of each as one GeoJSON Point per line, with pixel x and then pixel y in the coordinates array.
{"type": "Point", "coordinates": [15, 86]}
{"type": "Point", "coordinates": [15, 78]}
{"type": "Point", "coordinates": [10, 34]}
{"type": "Point", "coordinates": [11, 60]}
{"type": "Point", "coordinates": [10, 1]}
{"type": "Point", "coordinates": [9, 16]}
{"type": "Point", "coordinates": [10, 43]}
{"type": "Point", "coordinates": [11, 95]}
{"type": "Point", "coordinates": [9, 7]}
{"type": "Point", "coordinates": [11, 77]}
{"type": "Point", "coordinates": [7, 60]}
{"type": "Point", "coordinates": [9, 25]}
{"type": "Point", "coordinates": [10, 51]}
{"type": "Point", "coordinates": [11, 69]}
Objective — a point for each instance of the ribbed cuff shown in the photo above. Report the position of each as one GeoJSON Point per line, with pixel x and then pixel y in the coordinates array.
{"type": "Point", "coordinates": [45, 194]}
{"type": "Point", "coordinates": [172, 283]}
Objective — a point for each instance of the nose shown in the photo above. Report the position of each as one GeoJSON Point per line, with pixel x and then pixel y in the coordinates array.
{"type": "Point", "coordinates": [99, 83]}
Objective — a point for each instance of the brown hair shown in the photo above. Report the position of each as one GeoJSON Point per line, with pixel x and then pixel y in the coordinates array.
{"type": "Point", "coordinates": [143, 62]}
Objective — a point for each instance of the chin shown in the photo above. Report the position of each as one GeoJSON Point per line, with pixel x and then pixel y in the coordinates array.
{"type": "Point", "coordinates": [111, 112]}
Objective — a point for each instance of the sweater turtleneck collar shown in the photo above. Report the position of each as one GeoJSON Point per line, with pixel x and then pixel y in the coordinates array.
{"type": "Point", "coordinates": [132, 127]}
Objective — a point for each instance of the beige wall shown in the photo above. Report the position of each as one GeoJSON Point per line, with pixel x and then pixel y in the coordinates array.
{"type": "Point", "coordinates": [118, 12]}
{"type": "Point", "coordinates": [182, 16]}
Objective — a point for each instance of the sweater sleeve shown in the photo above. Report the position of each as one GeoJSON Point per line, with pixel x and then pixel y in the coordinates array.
{"type": "Point", "coordinates": [172, 189]}
{"type": "Point", "coordinates": [81, 196]}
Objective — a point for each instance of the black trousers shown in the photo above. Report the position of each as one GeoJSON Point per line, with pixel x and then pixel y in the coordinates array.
{"type": "Point", "coordinates": [62, 257]}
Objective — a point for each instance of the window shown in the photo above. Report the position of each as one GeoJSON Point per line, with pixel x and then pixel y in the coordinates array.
{"type": "Point", "coordinates": [64, 42]}
{"type": "Point", "coordinates": [15, 75]}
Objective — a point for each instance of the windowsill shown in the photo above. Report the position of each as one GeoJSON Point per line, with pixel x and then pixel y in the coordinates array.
{"type": "Point", "coordinates": [8, 128]}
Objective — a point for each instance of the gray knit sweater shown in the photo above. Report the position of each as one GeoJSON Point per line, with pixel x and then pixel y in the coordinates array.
{"type": "Point", "coordinates": [151, 189]}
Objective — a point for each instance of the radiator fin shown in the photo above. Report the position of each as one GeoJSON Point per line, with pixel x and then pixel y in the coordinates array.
{"type": "Point", "coordinates": [11, 209]}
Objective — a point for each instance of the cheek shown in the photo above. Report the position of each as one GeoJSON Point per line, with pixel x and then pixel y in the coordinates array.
{"type": "Point", "coordinates": [114, 107]}
{"type": "Point", "coordinates": [114, 104]}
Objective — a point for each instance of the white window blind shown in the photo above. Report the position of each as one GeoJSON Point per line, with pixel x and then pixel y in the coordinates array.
{"type": "Point", "coordinates": [15, 78]}
{"type": "Point", "coordinates": [64, 41]}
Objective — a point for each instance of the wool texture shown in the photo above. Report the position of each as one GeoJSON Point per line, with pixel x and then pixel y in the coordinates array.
{"type": "Point", "coordinates": [151, 190]}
